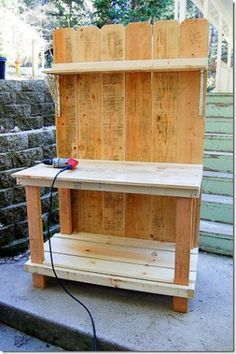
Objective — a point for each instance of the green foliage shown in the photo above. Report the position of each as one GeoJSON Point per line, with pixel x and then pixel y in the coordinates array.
{"type": "Point", "coordinates": [125, 11]}
{"type": "Point", "coordinates": [70, 13]}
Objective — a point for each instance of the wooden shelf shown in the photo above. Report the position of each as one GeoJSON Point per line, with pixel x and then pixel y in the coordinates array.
{"type": "Point", "coordinates": [183, 180]}
{"type": "Point", "coordinates": [150, 65]}
{"type": "Point", "coordinates": [126, 263]}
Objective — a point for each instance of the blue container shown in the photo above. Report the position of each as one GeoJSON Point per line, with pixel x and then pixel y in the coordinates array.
{"type": "Point", "coordinates": [2, 68]}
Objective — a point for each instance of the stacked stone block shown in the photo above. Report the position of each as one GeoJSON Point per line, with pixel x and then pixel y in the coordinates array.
{"type": "Point", "coordinates": [27, 134]}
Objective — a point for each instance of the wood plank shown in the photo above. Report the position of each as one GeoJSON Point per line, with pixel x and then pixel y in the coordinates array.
{"type": "Point", "coordinates": [113, 124]}
{"type": "Point", "coordinates": [183, 231]}
{"type": "Point", "coordinates": [123, 253]}
{"type": "Point", "coordinates": [193, 43]}
{"type": "Point", "coordinates": [129, 242]}
{"type": "Point", "coordinates": [165, 86]}
{"type": "Point", "coordinates": [138, 41]}
{"type": "Point", "coordinates": [65, 212]}
{"type": "Point", "coordinates": [35, 228]}
{"type": "Point", "coordinates": [130, 270]}
{"type": "Point", "coordinates": [124, 173]}
{"type": "Point", "coordinates": [66, 125]}
{"type": "Point", "coordinates": [114, 66]}
{"type": "Point", "coordinates": [114, 281]}
{"type": "Point", "coordinates": [89, 204]}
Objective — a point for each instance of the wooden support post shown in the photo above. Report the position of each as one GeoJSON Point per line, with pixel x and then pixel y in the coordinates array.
{"type": "Point", "coordinates": [65, 210]}
{"type": "Point", "coordinates": [197, 221]}
{"type": "Point", "coordinates": [183, 232]}
{"type": "Point", "coordinates": [35, 231]}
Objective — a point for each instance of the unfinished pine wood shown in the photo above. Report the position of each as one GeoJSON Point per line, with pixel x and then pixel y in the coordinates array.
{"type": "Point", "coordinates": [82, 253]}
{"type": "Point", "coordinates": [113, 124]}
{"type": "Point", "coordinates": [164, 125]}
{"type": "Point", "coordinates": [113, 66]}
{"type": "Point", "coordinates": [35, 228]}
{"type": "Point", "coordinates": [113, 281]}
{"type": "Point", "coordinates": [193, 43]}
{"type": "Point", "coordinates": [180, 304]}
{"type": "Point", "coordinates": [138, 45]}
{"type": "Point", "coordinates": [183, 233]}
{"type": "Point", "coordinates": [66, 125]}
{"type": "Point", "coordinates": [65, 213]}
{"type": "Point", "coordinates": [125, 176]}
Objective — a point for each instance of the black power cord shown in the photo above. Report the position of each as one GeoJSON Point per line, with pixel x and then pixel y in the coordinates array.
{"type": "Point", "coordinates": [60, 282]}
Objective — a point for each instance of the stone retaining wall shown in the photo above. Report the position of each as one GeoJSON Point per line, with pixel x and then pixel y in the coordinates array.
{"type": "Point", "coordinates": [27, 134]}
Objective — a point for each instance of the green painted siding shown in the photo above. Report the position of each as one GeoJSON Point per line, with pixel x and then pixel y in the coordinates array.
{"type": "Point", "coordinates": [215, 161]}
{"type": "Point", "coordinates": [217, 211]}
{"type": "Point", "coordinates": [219, 142]}
{"type": "Point", "coordinates": [219, 185]}
{"type": "Point", "coordinates": [216, 230]}
{"type": "Point", "coordinates": [219, 125]}
{"type": "Point", "coordinates": [216, 244]}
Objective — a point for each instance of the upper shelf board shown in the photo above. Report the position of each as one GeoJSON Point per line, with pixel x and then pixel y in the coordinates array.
{"type": "Point", "coordinates": [183, 64]}
{"type": "Point", "coordinates": [183, 180]}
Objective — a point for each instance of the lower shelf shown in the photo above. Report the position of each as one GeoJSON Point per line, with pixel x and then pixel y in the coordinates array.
{"type": "Point", "coordinates": [120, 262]}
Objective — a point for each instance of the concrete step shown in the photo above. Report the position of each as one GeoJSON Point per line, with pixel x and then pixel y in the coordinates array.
{"type": "Point", "coordinates": [217, 183]}
{"type": "Point", "coordinates": [217, 208]}
{"type": "Point", "coordinates": [216, 237]}
{"type": "Point", "coordinates": [218, 142]}
{"type": "Point", "coordinates": [219, 125]}
{"type": "Point", "coordinates": [218, 161]}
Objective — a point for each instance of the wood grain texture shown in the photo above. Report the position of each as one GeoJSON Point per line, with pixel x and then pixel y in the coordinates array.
{"type": "Point", "coordinates": [183, 233]}
{"type": "Point", "coordinates": [138, 45]}
{"type": "Point", "coordinates": [164, 124]}
{"type": "Point", "coordinates": [89, 204]}
{"type": "Point", "coordinates": [64, 47]}
{"type": "Point", "coordinates": [65, 212]}
{"type": "Point", "coordinates": [113, 124]}
{"type": "Point", "coordinates": [180, 304]}
{"type": "Point", "coordinates": [35, 228]}
{"type": "Point", "coordinates": [193, 43]}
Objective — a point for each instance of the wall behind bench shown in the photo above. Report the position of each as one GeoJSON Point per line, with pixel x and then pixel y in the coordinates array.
{"type": "Point", "coordinates": [27, 134]}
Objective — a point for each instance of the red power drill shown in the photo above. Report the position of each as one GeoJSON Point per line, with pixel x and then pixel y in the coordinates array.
{"type": "Point", "coordinates": [58, 162]}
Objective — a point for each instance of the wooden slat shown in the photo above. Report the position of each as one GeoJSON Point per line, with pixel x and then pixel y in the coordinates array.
{"type": "Point", "coordinates": [138, 43]}
{"type": "Point", "coordinates": [114, 66]}
{"type": "Point", "coordinates": [89, 204]}
{"type": "Point", "coordinates": [128, 254]}
{"type": "Point", "coordinates": [66, 125]}
{"type": "Point", "coordinates": [113, 124]}
{"type": "Point", "coordinates": [114, 281]}
{"type": "Point", "coordinates": [193, 43]}
{"type": "Point", "coordinates": [165, 86]}
{"type": "Point", "coordinates": [129, 242]}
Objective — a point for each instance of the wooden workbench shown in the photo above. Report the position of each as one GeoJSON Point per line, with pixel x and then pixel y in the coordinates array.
{"type": "Point", "coordinates": [130, 105]}
{"type": "Point", "coordinates": [130, 263]}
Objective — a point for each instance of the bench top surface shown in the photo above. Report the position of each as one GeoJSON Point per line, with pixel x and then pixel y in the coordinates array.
{"type": "Point", "coordinates": [122, 173]}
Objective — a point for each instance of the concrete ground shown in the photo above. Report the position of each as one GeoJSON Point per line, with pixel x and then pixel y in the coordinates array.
{"type": "Point", "coordinates": [15, 341]}
{"type": "Point", "coordinates": [125, 320]}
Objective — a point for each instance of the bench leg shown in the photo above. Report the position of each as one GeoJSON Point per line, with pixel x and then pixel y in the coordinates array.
{"type": "Point", "coordinates": [35, 231]}
{"type": "Point", "coordinates": [180, 304]}
{"type": "Point", "coordinates": [183, 236]}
